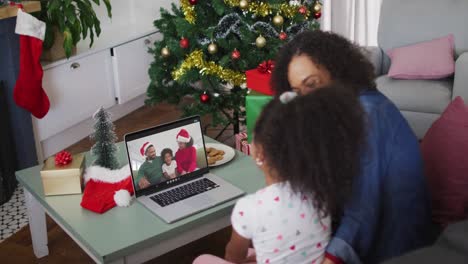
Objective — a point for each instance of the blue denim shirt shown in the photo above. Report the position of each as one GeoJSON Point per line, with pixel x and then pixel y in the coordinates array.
{"type": "Point", "coordinates": [388, 213]}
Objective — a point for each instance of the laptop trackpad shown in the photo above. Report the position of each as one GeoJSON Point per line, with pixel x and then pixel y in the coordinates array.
{"type": "Point", "coordinates": [200, 201]}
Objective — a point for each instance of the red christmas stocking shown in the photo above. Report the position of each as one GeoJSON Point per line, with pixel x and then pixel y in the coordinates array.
{"type": "Point", "coordinates": [28, 92]}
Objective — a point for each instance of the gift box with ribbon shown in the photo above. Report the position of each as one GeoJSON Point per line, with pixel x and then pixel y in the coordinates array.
{"type": "Point", "coordinates": [254, 103]}
{"type": "Point", "coordinates": [246, 147]}
{"type": "Point", "coordinates": [63, 174]}
{"type": "Point", "coordinates": [242, 136]}
{"type": "Point", "coordinates": [259, 79]}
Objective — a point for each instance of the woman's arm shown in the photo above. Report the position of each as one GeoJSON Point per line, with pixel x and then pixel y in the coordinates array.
{"type": "Point", "coordinates": [237, 248]}
{"type": "Point", "coordinates": [193, 160]}
{"type": "Point", "coordinates": [357, 230]}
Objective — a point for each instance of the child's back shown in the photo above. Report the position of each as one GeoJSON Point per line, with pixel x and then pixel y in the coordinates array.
{"type": "Point", "coordinates": [284, 227]}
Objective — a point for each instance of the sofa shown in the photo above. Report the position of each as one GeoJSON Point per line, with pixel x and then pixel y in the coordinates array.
{"type": "Point", "coordinates": [405, 22]}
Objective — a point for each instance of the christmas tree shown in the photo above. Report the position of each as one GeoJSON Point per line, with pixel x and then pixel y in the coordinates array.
{"type": "Point", "coordinates": [104, 149]}
{"type": "Point", "coordinates": [208, 45]}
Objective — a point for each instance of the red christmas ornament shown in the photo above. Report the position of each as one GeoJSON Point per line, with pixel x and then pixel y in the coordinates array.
{"type": "Point", "coordinates": [317, 15]}
{"type": "Point", "coordinates": [63, 158]}
{"type": "Point", "coordinates": [235, 55]}
{"type": "Point", "coordinates": [302, 10]}
{"type": "Point", "coordinates": [204, 98]}
{"type": "Point", "coordinates": [184, 43]}
{"type": "Point", "coordinates": [283, 35]}
{"type": "Point", "coordinates": [193, 2]}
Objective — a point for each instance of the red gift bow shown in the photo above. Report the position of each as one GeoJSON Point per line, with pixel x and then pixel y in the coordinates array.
{"type": "Point", "coordinates": [63, 158]}
{"type": "Point", "coordinates": [266, 66]}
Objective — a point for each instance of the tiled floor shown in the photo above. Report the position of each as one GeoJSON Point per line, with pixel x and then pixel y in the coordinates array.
{"type": "Point", "coordinates": [13, 214]}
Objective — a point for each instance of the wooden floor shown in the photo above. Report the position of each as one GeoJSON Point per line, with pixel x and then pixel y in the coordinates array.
{"type": "Point", "coordinates": [62, 249]}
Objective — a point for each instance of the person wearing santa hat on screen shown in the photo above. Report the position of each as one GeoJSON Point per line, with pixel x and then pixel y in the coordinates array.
{"type": "Point", "coordinates": [150, 171]}
{"type": "Point", "coordinates": [186, 155]}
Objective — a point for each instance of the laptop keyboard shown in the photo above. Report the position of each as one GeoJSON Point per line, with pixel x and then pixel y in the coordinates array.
{"type": "Point", "coordinates": [184, 192]}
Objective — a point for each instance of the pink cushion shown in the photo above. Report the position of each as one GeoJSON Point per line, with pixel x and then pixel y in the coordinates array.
{"type": "Point", "coordinates": [426, 60]}
{"type": "Point", "coordinates": [445, 153]}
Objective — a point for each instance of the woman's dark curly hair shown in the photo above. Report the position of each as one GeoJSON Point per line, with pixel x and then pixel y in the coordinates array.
{"type": "Point", "coordinates": [344, 61]}
{"type": "Point", "coordinates": [314, 143]}
{"type": "Point", "coordinates": [164, 152]}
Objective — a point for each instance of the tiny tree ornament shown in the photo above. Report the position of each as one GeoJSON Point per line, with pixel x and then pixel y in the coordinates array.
{"type": "Point", "coordinates": [302, 10]}
{"type": "Point", "coordinates": [244, 4]}
{"type": "Point", "coordinates": [204, 98]}
{"type": "Point", "coordinates": [317, 15]}
{"type": "Point", "coordinates": [165, 52]}
{"type": "Point", "coordinates": [317, 7]}
{"type": "Point", "coordinates": [283, 35]}
{"type": "Point", "coordinates": [184, 43]}
{"type": "Point", "coordinates": [235, 55]}
{"type": "Point", "coordinates": [193, 2]}
{"type": "Point", "coordinates": [212, 48]}
{"type": "Point", "coordinates": [278, 20]}
{"type": "Point", "coordinates": [260, 42]}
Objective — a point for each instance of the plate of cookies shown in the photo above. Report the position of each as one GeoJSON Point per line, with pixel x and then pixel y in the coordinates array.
{"type": "Point", "coordinates": [218, 154]}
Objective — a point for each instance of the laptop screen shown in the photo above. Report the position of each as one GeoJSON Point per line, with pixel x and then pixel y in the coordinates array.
{"type": "Point", "coordinates": [166, 155]}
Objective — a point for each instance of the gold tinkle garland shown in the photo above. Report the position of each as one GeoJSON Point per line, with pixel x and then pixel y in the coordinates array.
{"type": "Point", "coordinates": [264, 9]}
{"type": "Point", "coordinates": [195, 60]}
{"type": "Point", "coordinates": [189, 11]}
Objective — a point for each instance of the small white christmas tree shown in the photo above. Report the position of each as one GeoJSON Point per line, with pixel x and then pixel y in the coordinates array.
{"type": "Point", "coordinates": [104, 149]}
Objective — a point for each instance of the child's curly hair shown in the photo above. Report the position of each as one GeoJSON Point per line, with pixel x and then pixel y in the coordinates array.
{"type": "Point", "coordinates": [344, 61]}
{"type": "Point", "coordinates": [164, 152]}
{"type": "Point", "coordinates": [314, 143]}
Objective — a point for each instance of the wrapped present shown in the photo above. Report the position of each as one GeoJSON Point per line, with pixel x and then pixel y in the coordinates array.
{"type": "Point", "coordinates": [239, 138]}
{"type": "Point", "coordinates": [62, 175]}
{"type": "Point", "coordinates": [259, 79]}
{"type": "Point", "coordinates": [246, 147]}
{"type": "Point", "coordinates": [254, 103]}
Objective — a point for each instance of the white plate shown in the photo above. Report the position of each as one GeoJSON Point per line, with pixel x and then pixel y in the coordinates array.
{"type": "Point", "coordinates": [229, 153]}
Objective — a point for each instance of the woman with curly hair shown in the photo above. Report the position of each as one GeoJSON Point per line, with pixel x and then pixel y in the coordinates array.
{"type": "Point", "coordinates": [388, 212]}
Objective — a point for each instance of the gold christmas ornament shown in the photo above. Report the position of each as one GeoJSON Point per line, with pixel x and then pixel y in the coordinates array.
{"type": "Point", "coordinates": [212, 48]}
{"type": "Point", "coordinates": [165, 52]}
{"type": "Point", "coordinates": [317, 7]}
{"type": "Point", "coordinates": [260, 42]}
{"type": "Point", "coordinates": [195, 60]}
{"type": "Point", "coordinates": [278, 20]}
{"type": "Point", "coordinates": [243, 4]}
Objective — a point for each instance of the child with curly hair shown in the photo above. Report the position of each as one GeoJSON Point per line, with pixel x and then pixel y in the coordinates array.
{"type": "Point", "coordinates": [309, 163]}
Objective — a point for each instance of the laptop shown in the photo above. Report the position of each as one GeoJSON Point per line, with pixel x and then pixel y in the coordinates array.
{"type": "Point", "coordinates": [170, 171]}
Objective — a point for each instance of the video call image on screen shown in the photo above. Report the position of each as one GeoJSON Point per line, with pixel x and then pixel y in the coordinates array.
{"type": "Point", "coordinates": [167, 155]}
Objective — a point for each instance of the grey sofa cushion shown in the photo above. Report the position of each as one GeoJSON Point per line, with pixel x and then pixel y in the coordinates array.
{"type": "Point", "coordinates": [427, 96]}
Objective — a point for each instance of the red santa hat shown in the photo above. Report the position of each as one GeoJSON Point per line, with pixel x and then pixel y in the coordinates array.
{"type": "Point", "coordinates": [107, 188]}
{"type": "Point", "coordinates": [183, 136]}
{"type": "Point", "coordinates": [144, 148]}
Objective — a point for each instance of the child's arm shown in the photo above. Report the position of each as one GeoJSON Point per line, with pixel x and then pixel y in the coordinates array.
{"type": "Point", "coordinates": [237, 248]}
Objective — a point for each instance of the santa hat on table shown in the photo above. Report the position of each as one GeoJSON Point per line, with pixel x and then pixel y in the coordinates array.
{"type": "Point", "coordinates": [106, 188]}
{"type": "Point", "coordinates": [28, 92]}
{"type": "Point", "coordinates": [144, 148]}
{"type": "Point", "coordinates": [183, 136]}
